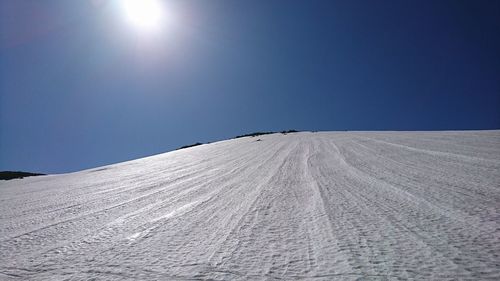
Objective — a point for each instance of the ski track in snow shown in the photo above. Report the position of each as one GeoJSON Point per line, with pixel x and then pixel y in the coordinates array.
{"type": "Point", "coordinates": [304, 206]}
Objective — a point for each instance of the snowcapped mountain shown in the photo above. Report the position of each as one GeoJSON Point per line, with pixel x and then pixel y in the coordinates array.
{"type": "Point", "coordinates": [308, 206]}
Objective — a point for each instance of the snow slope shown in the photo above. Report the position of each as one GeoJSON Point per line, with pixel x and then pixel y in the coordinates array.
{"type": "Point", "coordinates": [309, 206]}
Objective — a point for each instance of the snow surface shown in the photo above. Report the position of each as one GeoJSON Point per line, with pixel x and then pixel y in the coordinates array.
{"type": "Point", "coordinates": [309, 206]}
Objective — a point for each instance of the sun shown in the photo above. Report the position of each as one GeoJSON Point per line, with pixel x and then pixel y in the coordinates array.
{"type": "Point", "coordinates": [145, 15]}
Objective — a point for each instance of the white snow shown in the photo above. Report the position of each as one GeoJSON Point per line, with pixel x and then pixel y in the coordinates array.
{"type": "Point", "coordinates": [308, 206]}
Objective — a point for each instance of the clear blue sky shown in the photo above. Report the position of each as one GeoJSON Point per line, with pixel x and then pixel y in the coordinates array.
{"type": "Point", "coordinates": [80, 88]}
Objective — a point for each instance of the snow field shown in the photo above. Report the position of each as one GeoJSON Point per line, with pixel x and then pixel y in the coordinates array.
{"type": "Point", "coordinates": [304, 206]}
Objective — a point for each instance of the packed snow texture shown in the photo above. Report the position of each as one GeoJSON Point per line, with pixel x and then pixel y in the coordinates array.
{"type": "Point", "coordinates": [308, 206]}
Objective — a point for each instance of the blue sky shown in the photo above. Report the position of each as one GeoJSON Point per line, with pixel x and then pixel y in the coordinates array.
{"type": "Point", "coordinates": [80, 88]}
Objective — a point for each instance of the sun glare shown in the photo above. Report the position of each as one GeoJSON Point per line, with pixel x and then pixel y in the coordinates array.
{"type": "Point", "coordinates": [146, 15]}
